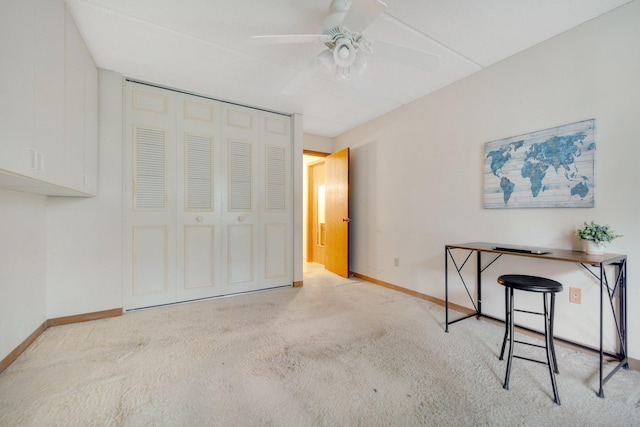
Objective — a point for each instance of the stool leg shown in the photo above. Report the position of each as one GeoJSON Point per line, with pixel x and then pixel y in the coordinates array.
{"type": "Point", "coordinates": [553, 347]}
{"type": "Point", "coordinates": [506, 322]}
{"type": "Point", "coordinates": [510, 326]}
{"type": "Point", "coordinates": [548, 321]}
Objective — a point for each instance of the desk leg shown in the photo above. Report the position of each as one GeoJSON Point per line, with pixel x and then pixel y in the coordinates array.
{"type": "Point", "coordinates": [622, 274]}
{"type": "Point", "coordinates": [601, 391]}
{"type": "Point", "coordinates": [446, 289]}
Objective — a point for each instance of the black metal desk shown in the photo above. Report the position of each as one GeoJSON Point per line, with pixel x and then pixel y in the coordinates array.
{"type": "Point", "coordinates": [594, 264]}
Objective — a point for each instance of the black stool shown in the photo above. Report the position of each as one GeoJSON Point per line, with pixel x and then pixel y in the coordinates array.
{"type": "Point", "coordinates": [546, 287]}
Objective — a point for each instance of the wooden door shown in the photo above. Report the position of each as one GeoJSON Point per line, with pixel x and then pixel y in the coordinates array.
{"type": "Point", "coordinates": [317, 235]}
{"type": "Point", "coordinates": [337, 212]}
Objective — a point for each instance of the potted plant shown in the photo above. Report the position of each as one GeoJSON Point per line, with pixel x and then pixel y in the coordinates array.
{"type": "Point", "coordinates": [596, 236]}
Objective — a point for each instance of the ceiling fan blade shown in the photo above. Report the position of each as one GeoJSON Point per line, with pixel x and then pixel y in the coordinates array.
{"type": "Point", "coordinates": [288, 39]}
{"type": "Point", "coordinates": [363, 85]}
{"type": "Point", "coordinates": [408, 56]}
{"type": "Point", "coordinates": [303, 77]}
{"type": "Point", "coordinates": [362, 13]}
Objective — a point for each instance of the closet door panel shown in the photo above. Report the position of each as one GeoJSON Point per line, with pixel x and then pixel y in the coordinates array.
{"type": "Point", "coordinates": [241, 215]}
{"type": "Point", "coordinates": [276, 200]}
{"type": "Point", "coordinates": [150, 262]}
{"type": "Point", "coordinates": [240, 264]}
{"type": "Point", "coordinates": [150, 198]}
{"type": "Point", "coordinates": [276, 263]}
{"type": "Point", "coordinates": [198, 195]}
{"type": "Point", "coordinates": [199, 258]}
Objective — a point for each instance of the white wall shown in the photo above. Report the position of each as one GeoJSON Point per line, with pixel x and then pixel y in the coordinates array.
{"type": "Point", "coordinates": [321, 144]}
{"type": "Point", "coordinates": [84, 245]}
{"type": "Point", "coordinates": [23, 234]}
{"type": "Point", "coordinates": [417, 173]}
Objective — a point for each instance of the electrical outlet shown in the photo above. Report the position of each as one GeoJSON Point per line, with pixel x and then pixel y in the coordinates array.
{"type": "Point", "coordinates": [396, 262]}
{"type": "Point", "coordinates": [575, 295]}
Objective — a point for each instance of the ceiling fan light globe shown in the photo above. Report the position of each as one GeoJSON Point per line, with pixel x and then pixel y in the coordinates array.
{"type": "Point", "coordinates": [344, 54]}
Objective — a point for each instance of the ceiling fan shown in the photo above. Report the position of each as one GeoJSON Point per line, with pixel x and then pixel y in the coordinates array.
{"type": "Point", "coordinates": [348, 50]}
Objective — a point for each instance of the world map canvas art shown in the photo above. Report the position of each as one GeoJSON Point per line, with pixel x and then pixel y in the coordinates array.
{"type": "Point", "coordinates": [551, 168]}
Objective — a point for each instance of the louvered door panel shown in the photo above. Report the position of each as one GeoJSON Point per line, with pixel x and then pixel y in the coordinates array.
{"type": "Point", "coordinates": [240, 176]}
{"type": "Point", "coordinates": [199, 173]}
{"type": "Point", "coordinates": [275, 178]}
{"type": "Point", "coordinates": [150, 174]}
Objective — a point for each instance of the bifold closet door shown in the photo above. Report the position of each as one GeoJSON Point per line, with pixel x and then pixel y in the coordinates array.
{"type": "Point", "coordinates": [208, 198]}
{"type": "Point", "coordinates": [257, 206]}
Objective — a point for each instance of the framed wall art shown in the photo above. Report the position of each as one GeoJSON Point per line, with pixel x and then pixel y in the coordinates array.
{"type": "Point", "coordinates": [551, 168]}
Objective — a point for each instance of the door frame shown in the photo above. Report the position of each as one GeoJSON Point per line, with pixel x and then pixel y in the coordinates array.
{"type": "Point", "coordinates": [312, 203]}
{"type": "Point", "coordinates": [307, 206]}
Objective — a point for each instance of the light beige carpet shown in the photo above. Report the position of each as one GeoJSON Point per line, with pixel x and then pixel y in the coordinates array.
{"type": "Point", "coordinates": [337, 352]}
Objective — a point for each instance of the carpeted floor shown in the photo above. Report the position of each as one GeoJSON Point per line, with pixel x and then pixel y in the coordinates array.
{"type": "Point", "coordinates": [336, 352]}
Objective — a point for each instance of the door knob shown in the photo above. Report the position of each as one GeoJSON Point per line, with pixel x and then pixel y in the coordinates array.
{"type": "Point", "coordinates": [199, 218]}
{"type": "Point", "coordinates": [346, 219]}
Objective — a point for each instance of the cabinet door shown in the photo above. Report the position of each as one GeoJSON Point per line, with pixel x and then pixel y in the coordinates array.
{"type": "Point", "coordinates": [72, 171]}
{"type": "Point", "coordinates": [90, 178]}
{"type": "Point", "coordinates": [16, 85]}
{"type": "Point", "coordinates": [49, 90]}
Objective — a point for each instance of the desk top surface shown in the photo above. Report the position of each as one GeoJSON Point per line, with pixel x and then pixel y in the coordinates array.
{"type": "Point", "coordinates": [539, 252]}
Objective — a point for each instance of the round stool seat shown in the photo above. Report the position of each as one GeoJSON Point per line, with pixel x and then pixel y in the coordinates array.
{"type": "Point", "coordinates": [529, 283]}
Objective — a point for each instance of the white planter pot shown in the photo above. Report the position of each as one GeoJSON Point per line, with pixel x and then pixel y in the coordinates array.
{"type": "Point", "coordinates": [593, 248]}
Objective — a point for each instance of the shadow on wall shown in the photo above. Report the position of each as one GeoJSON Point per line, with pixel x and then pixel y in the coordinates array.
{"type": "Point", "coordinates": [363, 207]}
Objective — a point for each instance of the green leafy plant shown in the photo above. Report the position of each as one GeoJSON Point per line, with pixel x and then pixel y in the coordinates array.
{"type": "Point", "coordinates": [597, 233]}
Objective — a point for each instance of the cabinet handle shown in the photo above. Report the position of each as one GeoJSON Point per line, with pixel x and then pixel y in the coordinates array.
{"type": "Point", "coordinates": [40, 161]}
{"type": "Point", "coordinates": [34, 160]}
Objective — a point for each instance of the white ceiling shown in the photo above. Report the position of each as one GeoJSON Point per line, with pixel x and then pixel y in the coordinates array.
{"type": "Point", "coordinates": [203, 47]}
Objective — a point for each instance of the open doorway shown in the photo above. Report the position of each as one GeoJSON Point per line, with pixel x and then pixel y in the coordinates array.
{"type": "Point", "coordinates": [317, 222]}
{"type": "Point", "coordinates": [326, 211]}
{"type": "Point", "coordinates": [314, 218]}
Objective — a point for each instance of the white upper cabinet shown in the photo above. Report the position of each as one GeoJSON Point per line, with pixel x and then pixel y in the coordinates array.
{"type": "Point", "coordinates": [17, 37]}
{"type": "Point", "coordinates": [48, 117]}
{"type": "Point", "coordinates": [49, 91]}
